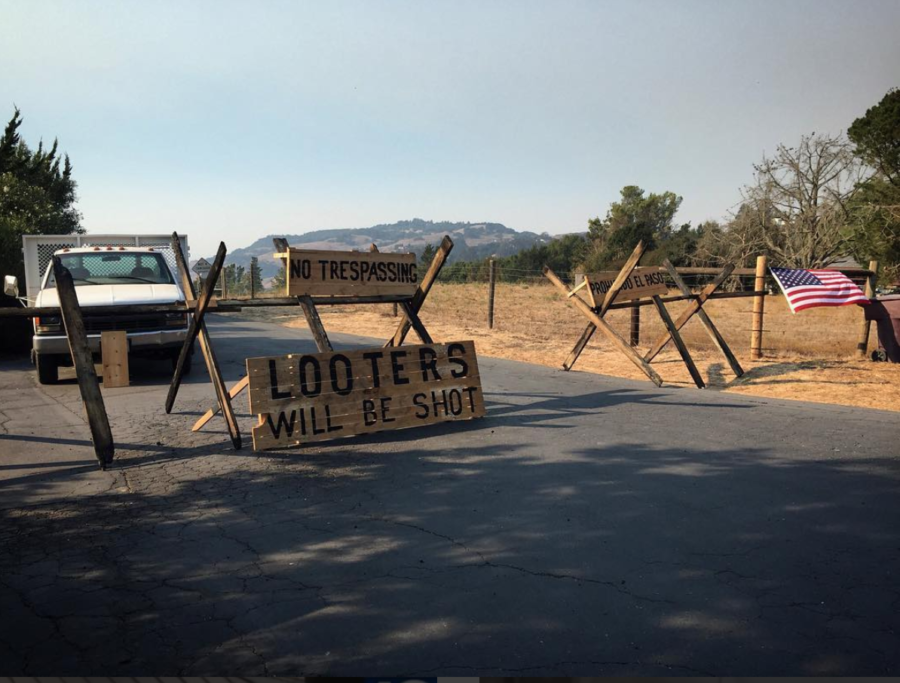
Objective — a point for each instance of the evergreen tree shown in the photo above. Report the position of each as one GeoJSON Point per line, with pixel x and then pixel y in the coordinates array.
{"type": "Point", "coordinates": [37, 195]}
{"type": "Point", "coordinates": [427, 256]}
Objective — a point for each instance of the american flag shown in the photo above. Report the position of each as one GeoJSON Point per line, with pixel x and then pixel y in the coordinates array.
{"type": "Point", "coordinates": [811, 288]}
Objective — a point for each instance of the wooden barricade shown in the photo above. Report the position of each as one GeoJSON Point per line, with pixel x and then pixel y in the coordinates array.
{"type": "Point", "coordinates": [314, 278]}
{"type": "Point", "coordinates": [627, 288]}
{"type": "Point", "coordinates": [318, 397]}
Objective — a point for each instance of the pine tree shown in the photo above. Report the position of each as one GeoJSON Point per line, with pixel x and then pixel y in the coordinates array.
{"type": "Point", "coordinates": [37, 195]}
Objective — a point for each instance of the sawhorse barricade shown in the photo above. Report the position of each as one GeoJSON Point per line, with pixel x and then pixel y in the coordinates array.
{"type": "Point", "coordinates": [630, 286]}
{"type": "Point", "coordinates": [316, 278]}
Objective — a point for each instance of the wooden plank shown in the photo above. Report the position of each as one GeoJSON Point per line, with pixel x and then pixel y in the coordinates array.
{"type": "Point", "coordinates": [278, 380]}
{"type": "Point", "coordinates": [413, 318]}
{"type": "Point", "coordinates": [92, 311]}
{"type": "Point", "coordinates": [862, 346]}
{"type": "Point", "coordinates": [692, 308]}
{"type": "Point", "coordinates": [759, 305]}
{"type": "Point", "coordinates": [641, 283]}
{"type": "Point", "coordinates": [418, 300]}
{"type": "Point", "coordinates": [323, 343]}
{"type": "Point", "coordinates": [206, 349]}
{"type": "Point", "coordinates": [707, 323]}
{"type": "Point", "coordinates": [679, 342]}
{"type": "Point", "coordinates": [114, 356]}
{"type": "Point", "coordinates": [316, 424]}
{"type": "Point", "coordinates": [579, 346]}
{"type": "Point", "coordinates": [610, 333]}
{"type": "Point", "coordinates": [621, 279]}
{"type": "Point", "coordinates": [584, 283]}
{"type": "Point", "coordinates": [349, 273]}
{"type": "Point", "coordinates": [98, 421]}
{"type": "Point", "coordinates": [192, 303]}
{"type": "Point", "coordinates": [318, 397]}
{"type": "Point", "coordinates": [233, 393]}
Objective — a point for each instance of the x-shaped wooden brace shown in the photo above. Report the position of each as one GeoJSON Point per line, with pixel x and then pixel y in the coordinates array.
{"type": "Point", "coordinates": [411, 319]}
{"type": "Point", "coordinates": [197, 329]}
{"type": "Point", "coordinates": [595, 316]}
{"type": "Point", "coordinates": [696, 308]}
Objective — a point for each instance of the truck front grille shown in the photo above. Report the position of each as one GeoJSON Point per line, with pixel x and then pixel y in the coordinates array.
{"type": "Point", "coordinates": [151, 322]}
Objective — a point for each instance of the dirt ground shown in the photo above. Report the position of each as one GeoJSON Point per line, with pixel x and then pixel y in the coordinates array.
{"type": "Point", "coordinates": [809, 356]}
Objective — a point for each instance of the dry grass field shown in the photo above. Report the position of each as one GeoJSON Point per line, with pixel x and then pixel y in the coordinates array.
{"type": "Point", "coordinates": [809, 356]}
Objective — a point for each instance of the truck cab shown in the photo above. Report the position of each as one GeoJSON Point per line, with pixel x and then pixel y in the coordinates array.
{"type": "Point", "coordinates": [111, 276]}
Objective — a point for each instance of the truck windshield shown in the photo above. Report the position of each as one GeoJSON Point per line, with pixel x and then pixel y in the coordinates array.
{"type": "Point", "coordinates": [106, 268]}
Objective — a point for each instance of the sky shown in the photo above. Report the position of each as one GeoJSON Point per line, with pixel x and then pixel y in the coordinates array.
{"type": "Point", "coordinates": [234, 120]}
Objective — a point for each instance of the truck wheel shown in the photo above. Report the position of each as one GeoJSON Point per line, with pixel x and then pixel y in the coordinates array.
{"type": "Point", "coordinates": [47, 368]}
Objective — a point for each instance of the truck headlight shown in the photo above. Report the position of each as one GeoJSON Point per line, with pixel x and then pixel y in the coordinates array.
{"type": "Point", "coordinates": [176, 319]}
{"type": "Point", "coordinates": [48, 324]}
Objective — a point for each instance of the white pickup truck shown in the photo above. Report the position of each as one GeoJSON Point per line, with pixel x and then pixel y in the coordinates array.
{"type": "Point", "coordinates": [110, 276]}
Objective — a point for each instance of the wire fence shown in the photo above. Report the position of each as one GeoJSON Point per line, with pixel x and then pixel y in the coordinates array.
{"type": "Point", "coordinates": [511, 300]}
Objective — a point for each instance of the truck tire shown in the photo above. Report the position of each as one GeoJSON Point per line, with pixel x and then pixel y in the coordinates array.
{"type": "Point", "coordinates": [47, 368]}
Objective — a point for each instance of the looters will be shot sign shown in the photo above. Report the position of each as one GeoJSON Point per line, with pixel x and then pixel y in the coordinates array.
{"type": "Point", "coordinates": [303, 398]}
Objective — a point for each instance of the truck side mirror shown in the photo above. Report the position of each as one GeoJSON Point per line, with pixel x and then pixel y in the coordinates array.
{"type": "Point", "coordinates": [11, 286]}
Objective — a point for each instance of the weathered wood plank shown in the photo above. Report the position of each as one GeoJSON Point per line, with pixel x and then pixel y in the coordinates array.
{"type": "Point", "coordinates": [316, 397]}
{"type": "Point", "coordinates": [323, 343]}
{"type": "Point", "coordinates": [413, 318]}
{"type": "Point", "coordinates": [640, 283]}
{"type": "Point", "coordinates": [418, 299]}
{"type": "Point", "coordinates": [622, 277]}
{"type": "Point", "coordinates": [194, 327]}
{"type": "Point", "coordinates": [277, 380]}
{"type": "Point", "coordinates": [82, 359]}
{"type": "Point", "coordinates": [349, 273]}
{"type": "Point", "coordinates": [233, 393]}
{"type": "Point", "coordinates": [679, 342]}
{"type": "Point", "coordinates": [114, 358]}
{"type": "Point", "coordinates": [579, 346]}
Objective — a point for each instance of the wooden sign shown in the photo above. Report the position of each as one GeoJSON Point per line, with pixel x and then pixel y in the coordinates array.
{"type": "Point", "coordinates": [322, 396]}
{"type": "Point", "coordinates": [349, 273]}
{"type": "Point", "coordinates": [643, 282]}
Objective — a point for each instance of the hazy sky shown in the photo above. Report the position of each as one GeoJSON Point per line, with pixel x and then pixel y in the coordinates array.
{"type": "Point", "coordinates": [234, 120]}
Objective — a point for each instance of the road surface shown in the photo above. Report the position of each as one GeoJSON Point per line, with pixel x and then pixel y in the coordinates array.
{"type": "Point", "coordinates": [587, 525]}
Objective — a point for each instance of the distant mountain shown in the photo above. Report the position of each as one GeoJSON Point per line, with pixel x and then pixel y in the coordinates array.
{"type": "Point", "coordinates": [471, 241]}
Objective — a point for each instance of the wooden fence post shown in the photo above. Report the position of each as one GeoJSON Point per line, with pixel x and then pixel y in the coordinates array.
{"type": "Point", "coordinates": [756, 329]}
{"type": "Point", "coordinates": [98, 421]}
{"type": "Point", "coordinates": [863, 346]}
{"type": "Point", "coordinates": [491, 280]}
{"type": "Point", "coordinates": [635, 326]}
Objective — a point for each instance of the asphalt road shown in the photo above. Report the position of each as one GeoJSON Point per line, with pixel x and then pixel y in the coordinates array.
{"type": "Point", "coordinates": [587, 525]}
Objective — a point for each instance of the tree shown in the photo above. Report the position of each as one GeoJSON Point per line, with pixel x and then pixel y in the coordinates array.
{"type": "Point", "coordinates": [252, 277]}
{"type": "Point", "coordinates": [800, 201]}
{"type": "Point", "coordinates": [278, 282]}
{"type": "Point", "coordinates": [877, 137]}
{"type": "Point", "coordinates": [427, 256]}
{"type": "Point", "coordinates": [235, 281]}
{"type": "Point", "coordinates": [37, 195]}
{"type": "Point", "coordinates": [874, 232]}
{"type": "Point", "coordinates": [634, 218]}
